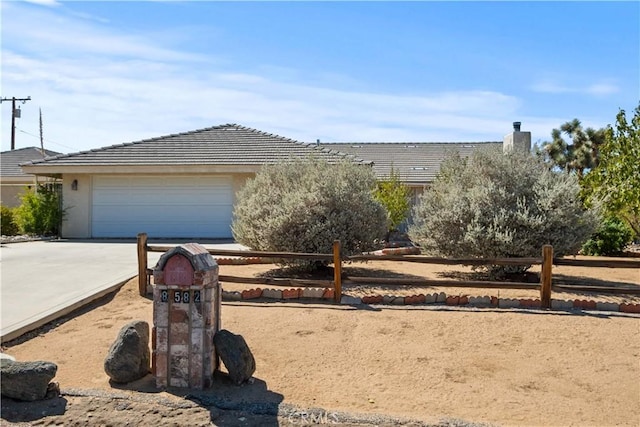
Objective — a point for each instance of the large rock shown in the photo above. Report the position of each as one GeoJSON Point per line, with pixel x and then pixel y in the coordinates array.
{"type": "Point", "coordinates": [129, 355]}
{"type": "Point", "coordinates": [27, 381]}
{"type": "Point", "coordinates": [235, 354]}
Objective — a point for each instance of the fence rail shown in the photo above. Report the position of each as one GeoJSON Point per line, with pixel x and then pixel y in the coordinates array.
{"type": "Point", "coordinates": [545, 286]}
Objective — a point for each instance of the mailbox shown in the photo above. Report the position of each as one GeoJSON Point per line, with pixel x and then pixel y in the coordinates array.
{"type": "Point", "coordinates": [186, 316]}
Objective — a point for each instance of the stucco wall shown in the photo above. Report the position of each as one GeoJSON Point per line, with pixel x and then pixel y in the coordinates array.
{"type": "Point", "coordinates": [10, 193]}
{"type": "Point", "coordinates": [77, 205]}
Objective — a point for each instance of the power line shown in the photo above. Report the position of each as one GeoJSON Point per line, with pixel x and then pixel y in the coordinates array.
{"type": "Point", "coordinates": [48, 140]}
{"type": "Point", "coordinates": [14, 113]}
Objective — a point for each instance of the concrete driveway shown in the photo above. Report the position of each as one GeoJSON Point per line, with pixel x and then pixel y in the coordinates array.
{"type": "Point", "coordinates": [43, 280]}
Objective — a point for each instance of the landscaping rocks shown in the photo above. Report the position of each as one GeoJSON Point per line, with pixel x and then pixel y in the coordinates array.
{"type": "Point", "coordinates": [348, 300]}
{"type": "Point", "coordinates": [607, 306]}
{"type": "Point", "coordinates": [558, 304]}
{"type": "Point", "coordinates": [315, 293]}
{"type": "Point", "coordinates": [272, 293]}
{"type": "Point", "coordinates": [129, 356]}
{"type": "Point", "coordinates": [235, 354]}
{"type": "Point", "coordinates": [28, 381]}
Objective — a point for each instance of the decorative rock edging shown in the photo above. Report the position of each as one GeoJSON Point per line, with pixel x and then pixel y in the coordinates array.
{"type": "Point", "coordinates": [323, 294]}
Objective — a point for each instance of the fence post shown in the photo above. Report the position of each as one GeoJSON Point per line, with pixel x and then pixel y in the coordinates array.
{"type": "Point", "coordinates": [337, 271]}
{"type": "Point", "coordinates": [545, 276]}
{"type": "Point", "coordinates": [142, 264]}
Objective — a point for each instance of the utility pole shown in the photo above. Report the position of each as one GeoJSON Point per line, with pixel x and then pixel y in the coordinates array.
{"type": "Point", "coordinates": [13, 116]}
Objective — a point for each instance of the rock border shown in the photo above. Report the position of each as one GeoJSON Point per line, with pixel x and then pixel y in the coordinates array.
{"type": "Point", "coordinates": [486, 301]}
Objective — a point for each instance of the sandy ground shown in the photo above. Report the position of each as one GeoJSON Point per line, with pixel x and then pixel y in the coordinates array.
{"type": "Point", "coordinates": [431, 364]}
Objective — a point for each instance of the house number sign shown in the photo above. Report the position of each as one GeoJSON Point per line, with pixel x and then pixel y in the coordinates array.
{"type": "Point", "coordinates": [180, 297]}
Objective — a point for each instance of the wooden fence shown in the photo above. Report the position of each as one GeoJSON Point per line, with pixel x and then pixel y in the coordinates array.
{"type": "Point", "coordinates": [545, 286]}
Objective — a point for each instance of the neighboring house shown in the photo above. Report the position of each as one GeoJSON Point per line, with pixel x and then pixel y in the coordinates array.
{"type": "Point", "coordinates": [13, 181]}
{"type": "Point", "coordinates": [180, 185]}
{"type": "Point", "coordinates": [184, 185]}
{"type": "Point", "coordinates": [418, 163]}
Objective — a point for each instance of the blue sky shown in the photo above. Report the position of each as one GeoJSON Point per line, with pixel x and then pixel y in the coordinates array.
{"type": "Point", "coordinates": [111, 72]}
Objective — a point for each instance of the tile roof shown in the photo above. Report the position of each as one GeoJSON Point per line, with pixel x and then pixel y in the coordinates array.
{"type": "Point", "coordinates": [228, 144]}
{"type": "Point", "coordinates": [416, 162]}
{"type": "Point", "coordinates": [10, 160]}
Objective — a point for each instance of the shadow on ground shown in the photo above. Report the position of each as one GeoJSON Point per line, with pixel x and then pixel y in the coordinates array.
{"type": "Point", "coordinates": [16, 411]}
{"type": "Point", "coordinates": [228, 404]}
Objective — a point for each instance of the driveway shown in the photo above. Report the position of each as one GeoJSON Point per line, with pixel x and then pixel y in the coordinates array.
{"type": "Point", "coordinates": [44, 280]}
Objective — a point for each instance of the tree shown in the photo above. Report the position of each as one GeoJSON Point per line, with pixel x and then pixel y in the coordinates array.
{"type": "Point", "coordinates": [578, 154]}
{"type": "Point", "coordinates": [394, 195]}
{"type": "Point", "coordinates": [495, 205]}
{"type": "Point", "coordinates": [615, 181]}
{"type": "Point", "coordinates": [304, 205]}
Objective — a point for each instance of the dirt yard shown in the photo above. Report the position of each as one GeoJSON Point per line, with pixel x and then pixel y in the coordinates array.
{"type": "Point", "coordinates": [340, 364]}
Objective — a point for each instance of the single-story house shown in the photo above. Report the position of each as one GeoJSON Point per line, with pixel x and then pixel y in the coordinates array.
{"type": "Point", "coordinates": [184, 185]}
{"type": "Point", "coordinates": [180, 185]}
{"type": "Point", "coordinates": [13, 180]}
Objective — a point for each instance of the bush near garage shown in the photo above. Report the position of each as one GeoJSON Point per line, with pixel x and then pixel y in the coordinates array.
{"type": "Point", "coordinates": [305, 205]}
{"type": "Point", "coordinates": [40, 211]}
{"type": "Point", "coordinates": [7, 221]}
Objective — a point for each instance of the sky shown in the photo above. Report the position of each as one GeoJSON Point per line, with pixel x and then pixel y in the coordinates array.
{"type": "Point", "coordinates": [106, 73]}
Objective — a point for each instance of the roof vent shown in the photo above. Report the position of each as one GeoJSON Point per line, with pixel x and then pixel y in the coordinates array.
{"type": "Point", "coordinates": [516, 126]}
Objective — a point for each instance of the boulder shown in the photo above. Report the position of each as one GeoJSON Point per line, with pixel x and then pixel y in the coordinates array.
{"type": "Point", "coordinates": [129, 355]}
{"type": "Point", "coordinates": [28, 381]}
{"type": "Point", "coordinates": [235, 354]}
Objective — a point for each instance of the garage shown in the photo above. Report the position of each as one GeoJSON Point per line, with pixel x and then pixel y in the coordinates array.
{"type": "Point", "coordinates": [163, 207]}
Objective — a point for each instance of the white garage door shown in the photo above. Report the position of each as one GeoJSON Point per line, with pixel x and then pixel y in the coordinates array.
{"type": "Point", "coordinates": [162, 206]}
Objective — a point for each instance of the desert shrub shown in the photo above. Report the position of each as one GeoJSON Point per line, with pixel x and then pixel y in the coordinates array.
{"type": "Point", "coordinates": [304, 205]}
{"type": "Point", "coordinates": [393, 194]}
{"type": "Point", "coordinates": [40, 211]}
{"type": "Point", "coordinates": [501, 205]}
{"type": "Point", "coordinates": [611, 237]}
{"type": "Point", "coordinates": [7, 221]}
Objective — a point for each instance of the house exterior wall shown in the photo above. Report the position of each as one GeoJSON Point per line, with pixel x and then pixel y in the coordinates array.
{"type": "Point", "coordinates": [10, 192]}
{"type": "Point", "coordinates": [76, 223]}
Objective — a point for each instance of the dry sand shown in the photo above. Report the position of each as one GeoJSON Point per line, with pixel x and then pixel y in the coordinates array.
{"type": "Point", "coordinates": [505, 367]}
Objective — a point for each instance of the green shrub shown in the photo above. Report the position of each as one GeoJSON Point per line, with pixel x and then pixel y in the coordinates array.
{"type": "Point", "coordinates": [611, 238]}
{"type": "Point", "coordinates": [501, 205]}
{"type": "Point", "coordinates": [40, 211]}
{"type": "Point", "coordinates": [7, 221]}
{"type": "Point", "coordinates": [304, 205]}
{"type": "Point", "coordinates": [393, 194]}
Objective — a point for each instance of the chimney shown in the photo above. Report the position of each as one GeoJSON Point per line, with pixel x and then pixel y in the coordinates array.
{"type": "Point", "coordinates": [517, 140]}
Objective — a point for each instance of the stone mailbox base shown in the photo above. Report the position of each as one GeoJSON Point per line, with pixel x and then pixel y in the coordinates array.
{"type": "Point", "coordinates": [186, 316]}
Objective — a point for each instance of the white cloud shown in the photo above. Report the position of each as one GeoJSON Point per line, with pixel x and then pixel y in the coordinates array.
{"type": "Point", "coordinates": [601, 88]}
{"type": "Point", "coordinates": [44, 2]}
